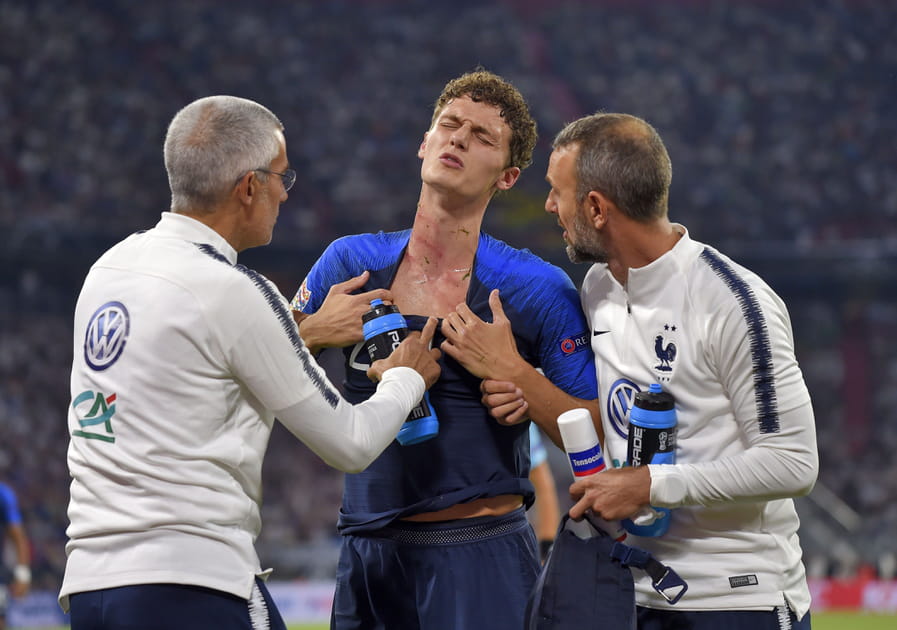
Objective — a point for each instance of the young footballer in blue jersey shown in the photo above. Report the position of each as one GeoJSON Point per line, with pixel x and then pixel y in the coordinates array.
{"type": "Point", "coordinates": [666, 309]}
{"type": "Point", "coordinates": [11, 527]}
{"type": "Point", "coordinates": [434, 534]}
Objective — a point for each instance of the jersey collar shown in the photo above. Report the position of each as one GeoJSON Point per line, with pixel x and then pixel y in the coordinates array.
{"type": "Point", "coordinates": [189, 229]}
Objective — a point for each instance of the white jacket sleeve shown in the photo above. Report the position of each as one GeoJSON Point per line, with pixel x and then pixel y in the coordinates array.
{"type": "Point", "coordinates": [265, 353]}
{"type": "Point", "coordinates": [349, 437]}
{"type": "Point", "coordinates": [781, 467]}
{"type": "Point", "coordinates": [780, 458]}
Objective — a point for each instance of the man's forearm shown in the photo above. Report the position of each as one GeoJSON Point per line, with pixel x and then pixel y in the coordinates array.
{"type": "Point", "coordinates": [307, 331]}
{"type": "Point", "coordinates": [546, 401]}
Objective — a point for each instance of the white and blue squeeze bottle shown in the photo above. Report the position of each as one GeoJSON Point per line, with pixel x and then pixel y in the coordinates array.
{"type": "Point", "coordinates": [584, 454]}
{"type": "Point", "coordinates": [652, 440]}
{"type": "Point", "coordinates": [384, 329]}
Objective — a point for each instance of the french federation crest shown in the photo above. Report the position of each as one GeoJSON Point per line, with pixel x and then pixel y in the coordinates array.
{"type": "Point", "coordinates": [665, 350]}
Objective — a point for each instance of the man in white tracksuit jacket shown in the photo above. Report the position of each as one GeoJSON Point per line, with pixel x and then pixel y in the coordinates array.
{"type": "Point", "coordinates": [182, 360]}
{"type": "Point", "coordinates": [668, 310]}
{"type": "Point", "coordinates": [665, 309]}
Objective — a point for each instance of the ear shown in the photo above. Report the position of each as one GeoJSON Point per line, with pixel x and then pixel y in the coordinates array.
{"type": "Point", "coordinates": [423, 146]}
{"type": "Point", "coordinates": [247, 188]}
{"type": "Point", "coordinates": [508, 178]}
{"type": "Point", "coordinates": [596, 208]}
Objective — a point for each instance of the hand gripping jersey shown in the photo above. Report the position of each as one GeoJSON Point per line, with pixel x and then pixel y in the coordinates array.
{"type": "Point", "coordinates": [716, 337]}
{"type": "Point", "coordinates": [473, 456]}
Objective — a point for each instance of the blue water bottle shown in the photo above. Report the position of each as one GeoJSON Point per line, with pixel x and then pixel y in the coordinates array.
{"type": "Point", "coordinates": [652, 440]}
{"type": "Point", "coordinates": [384, 329]}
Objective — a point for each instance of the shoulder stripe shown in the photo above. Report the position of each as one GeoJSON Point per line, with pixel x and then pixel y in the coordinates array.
{"type": "Point", "coordinates": [272, 296]}
{"type": "Point", "coordinates": [758, 335]}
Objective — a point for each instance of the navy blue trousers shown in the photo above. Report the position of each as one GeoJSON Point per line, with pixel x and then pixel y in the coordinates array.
{"type": "Point", "coordinates": [457, 575]}
{"type": "Point", "coordinates": [173, 607]}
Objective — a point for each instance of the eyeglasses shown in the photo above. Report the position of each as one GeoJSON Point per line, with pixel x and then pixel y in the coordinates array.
{"type": "Point", "coordinates": [288, 176]}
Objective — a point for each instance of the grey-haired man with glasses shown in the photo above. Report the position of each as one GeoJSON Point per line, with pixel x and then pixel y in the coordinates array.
{"type": "Point", "coordinates": [182, 360]}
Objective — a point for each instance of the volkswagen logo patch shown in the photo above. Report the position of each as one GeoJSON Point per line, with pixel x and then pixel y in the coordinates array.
{"type": "Point", "coordinates": [106, 335]}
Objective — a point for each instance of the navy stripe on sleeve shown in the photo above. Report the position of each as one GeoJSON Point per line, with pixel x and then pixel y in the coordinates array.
{"type": "Point", "coordinates": [758, 335]}
{"type": "Point", "coordinates": [286, 321]}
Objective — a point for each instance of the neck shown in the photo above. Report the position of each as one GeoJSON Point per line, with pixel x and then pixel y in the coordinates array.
{"type": "Point", "coordinates": [223, 220]}
{"type": "Point", "coordinates": [643, 245]}
{"type": "Point", "coordinates": [444, 240]}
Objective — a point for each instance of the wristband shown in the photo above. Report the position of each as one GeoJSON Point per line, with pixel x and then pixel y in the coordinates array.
{"type": "Point", "coordinates": [21, 573]}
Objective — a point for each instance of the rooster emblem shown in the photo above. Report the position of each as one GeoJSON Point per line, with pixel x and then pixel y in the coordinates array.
{"type": "Point", "coordinates": [665, 354]}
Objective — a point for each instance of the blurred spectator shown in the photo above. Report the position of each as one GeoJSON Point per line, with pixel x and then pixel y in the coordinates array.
{"type": "Point", "coordinates": [13, 529]}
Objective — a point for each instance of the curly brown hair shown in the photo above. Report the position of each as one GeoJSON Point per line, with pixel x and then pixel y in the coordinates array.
{"type": "Point", "coordinates": [482, 86]}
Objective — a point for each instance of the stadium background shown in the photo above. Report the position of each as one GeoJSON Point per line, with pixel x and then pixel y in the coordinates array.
{"type": "Point", "coordinates": [779, 118]}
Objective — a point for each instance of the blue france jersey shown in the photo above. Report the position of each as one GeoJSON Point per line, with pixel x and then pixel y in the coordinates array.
{"type": "Point", "coordinates": [473, 456]}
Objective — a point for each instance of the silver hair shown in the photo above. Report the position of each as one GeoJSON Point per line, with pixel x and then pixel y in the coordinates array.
{"type": "Point", "coordinates": [211, 143]}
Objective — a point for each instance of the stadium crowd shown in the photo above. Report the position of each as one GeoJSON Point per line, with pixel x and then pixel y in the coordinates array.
{"type": "Point", "coordinates": [776, 116]}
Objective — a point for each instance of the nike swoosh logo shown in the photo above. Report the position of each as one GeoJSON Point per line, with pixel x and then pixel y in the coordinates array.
{"type": "Point", "coordinates": [595, 333]}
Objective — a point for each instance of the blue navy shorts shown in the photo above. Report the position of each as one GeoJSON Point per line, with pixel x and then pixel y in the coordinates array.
{"type": "Point", "coordinates": [780, 618]}
{"type": "Point", "coordinates": [452, 575]}
{"type": "Point", "coordinates": [173, 607]}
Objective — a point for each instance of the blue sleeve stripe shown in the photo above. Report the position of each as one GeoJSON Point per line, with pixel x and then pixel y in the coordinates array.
{"type": "Point", "coordinates": [758, 335]}
{"type": "Point", "coordinates": [272, 296]}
